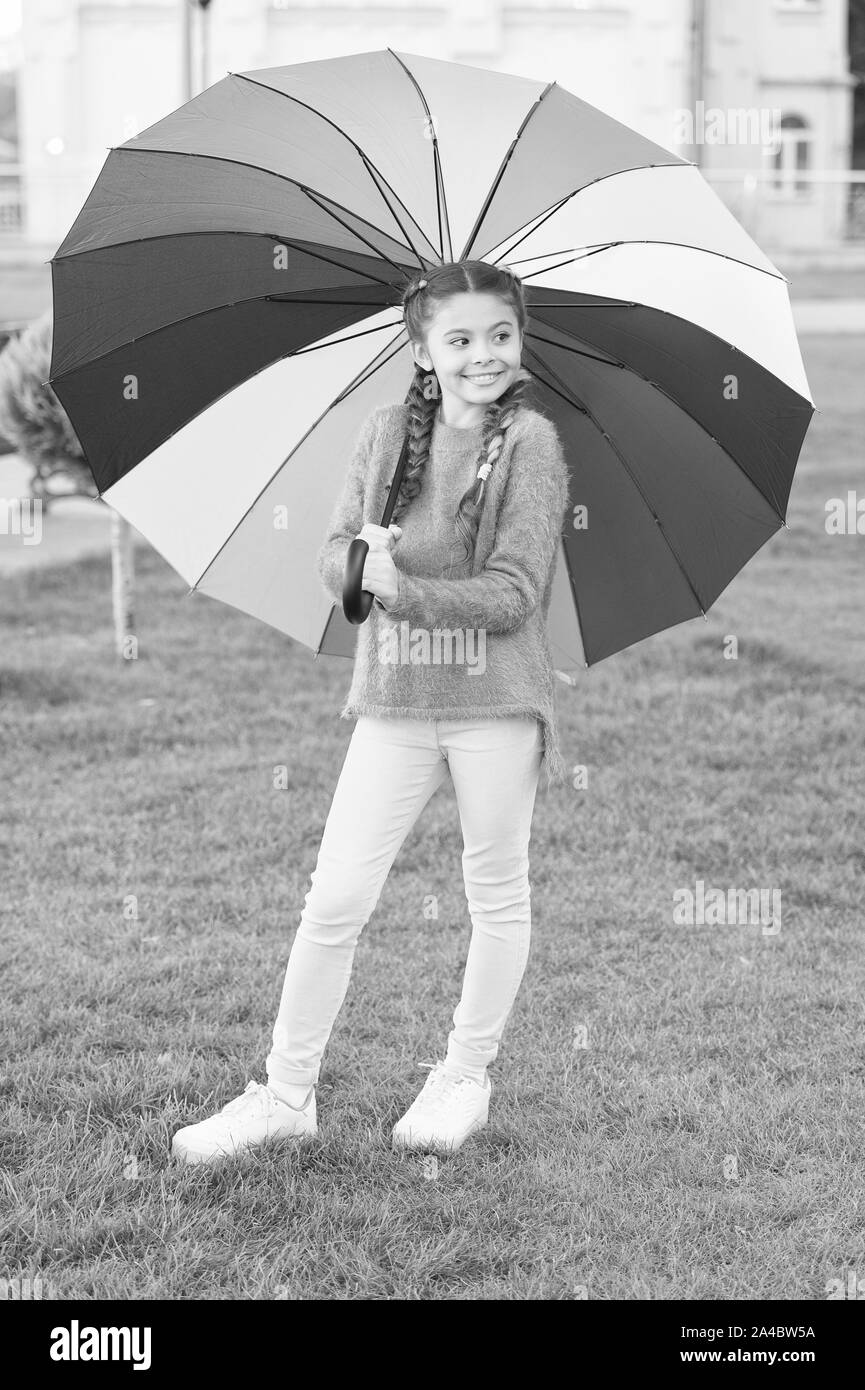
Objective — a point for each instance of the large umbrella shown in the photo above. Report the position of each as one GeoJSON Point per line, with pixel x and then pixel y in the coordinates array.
{"type": "Point", "coordinates": [226, 316]}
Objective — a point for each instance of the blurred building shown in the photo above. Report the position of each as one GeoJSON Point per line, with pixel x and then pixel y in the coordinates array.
{"type": "Point", "coordinates": [788, 59]}
{"type": "Point", "coordinates": [757, 92]}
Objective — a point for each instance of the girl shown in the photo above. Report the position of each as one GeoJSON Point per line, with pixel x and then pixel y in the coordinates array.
{"type": "Point", "coordinates": [469, 569]}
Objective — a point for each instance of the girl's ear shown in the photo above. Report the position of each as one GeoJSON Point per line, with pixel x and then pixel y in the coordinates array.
{"type": "Point", "coordinates": [419, 353]}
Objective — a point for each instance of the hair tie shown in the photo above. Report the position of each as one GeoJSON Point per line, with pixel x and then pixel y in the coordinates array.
{"type": "Point", "coordinates": [415, 289]}
{"type": "Point", "coordinates": [485, 470]}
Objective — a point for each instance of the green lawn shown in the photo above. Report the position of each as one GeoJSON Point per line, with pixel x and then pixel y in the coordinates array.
{"type": "Point", "coordinates": [707, 1142]}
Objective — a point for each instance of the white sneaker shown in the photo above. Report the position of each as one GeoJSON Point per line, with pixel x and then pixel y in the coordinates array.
{"type": "Point", "coordinates": [449, 1108]}
{"type": "Point", "coordinates": [245, 1123]}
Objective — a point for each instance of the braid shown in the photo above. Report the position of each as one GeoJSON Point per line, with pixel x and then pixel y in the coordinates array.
{"type": "Point", "coordinates": [422, 406]}
{"type": "Point", "coordinates": [498, 419]}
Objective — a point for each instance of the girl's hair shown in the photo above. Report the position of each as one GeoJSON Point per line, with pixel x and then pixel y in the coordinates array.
{"type": "Point", "coordinates": [422, 297]}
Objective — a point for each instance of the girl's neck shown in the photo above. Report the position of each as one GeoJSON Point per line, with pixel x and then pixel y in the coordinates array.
{"type": "Point", "coordinates": [455, 425]}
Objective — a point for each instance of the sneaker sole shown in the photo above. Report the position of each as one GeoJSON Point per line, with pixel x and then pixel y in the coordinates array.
{"type": "Point", "coordinates": [436, 1145]}
{"type": "Point", "coordinates": [195, 1156]}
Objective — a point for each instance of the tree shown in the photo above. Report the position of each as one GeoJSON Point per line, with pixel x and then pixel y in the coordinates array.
{"type": "Point", "coordinates": [34, 421]}
{"type": "Point", "coordinates": [32, 418]}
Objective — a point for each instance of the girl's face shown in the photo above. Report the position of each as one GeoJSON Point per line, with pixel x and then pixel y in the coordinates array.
{"type": "Point", "coordinates": [474, 346]}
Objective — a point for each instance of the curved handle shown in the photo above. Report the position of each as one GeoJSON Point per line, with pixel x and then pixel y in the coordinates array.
{"type": "Point", "coordinates": [356, 601]}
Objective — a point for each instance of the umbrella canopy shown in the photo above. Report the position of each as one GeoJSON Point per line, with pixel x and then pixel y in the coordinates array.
{"type": "Point", "coordinates": [226, 316]}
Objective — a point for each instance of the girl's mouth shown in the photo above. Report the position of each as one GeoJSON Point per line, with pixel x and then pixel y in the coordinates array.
{"type": "Point", "coordinates": [483, 380]}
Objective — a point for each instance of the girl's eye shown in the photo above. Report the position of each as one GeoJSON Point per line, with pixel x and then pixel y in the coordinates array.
{"type": "Point", "coordinates": [455, 341]}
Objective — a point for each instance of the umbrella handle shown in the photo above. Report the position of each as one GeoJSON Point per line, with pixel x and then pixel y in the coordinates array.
{"type": "Point", "coordinates": [356, 601]}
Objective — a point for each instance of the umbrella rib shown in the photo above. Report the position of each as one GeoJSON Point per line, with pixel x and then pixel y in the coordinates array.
{"type": "Point", "coordinates": [600, 179]}
{"type": "Point", "coordinates": [352, 386]}
{"type": "Point", "coordinates": [441, 199]}
{"type": "Point", "coordinates": [368, 163]}
{"type": "Point", "coordinates": [571, 260]}
{"type": "Point", "coordinates": [498, 178]}
{"type": "Point", "coordinates": [590, 251]}
{"type": "Point", "coordinates": [207, 405]}
{"type": "Point", "coordinates": [172, 323]}
{"type": "Point", "coordinates": [268, 236]}
{"type": "Point", "coordinates": [647, 241]}
{"type": "Point", "coordinates": [566, 347]}
{"type": "Point", "coordinates": [528, 232]}
{"type": "Point", "coordinates": [318, 202]}
{"type": "Point", "coordinates": [216, 309]}
{"type": "Point", "coordinates": [319, 256]}
{"type": "Point", "coordinates": [614, 173]}
{"type": "Point", "coordinates": [574, 401]}
{"type": "Point", "coordinates": [308, 192]}
{"type": "Point", "coordinates": [580, 352]}
{"type": "Point", "coordinates": [332, 342]}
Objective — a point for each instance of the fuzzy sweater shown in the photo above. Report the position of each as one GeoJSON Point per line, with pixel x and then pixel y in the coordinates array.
{"type": "Point", "coordinates": [474, 644]}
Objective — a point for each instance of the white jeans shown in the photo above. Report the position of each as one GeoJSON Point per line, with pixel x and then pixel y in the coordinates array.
{"type": "Point", "coordinates": [391, 769]}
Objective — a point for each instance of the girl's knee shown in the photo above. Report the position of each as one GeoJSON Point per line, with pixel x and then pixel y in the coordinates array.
{"type": "Point", "coordinates": [335, 914]}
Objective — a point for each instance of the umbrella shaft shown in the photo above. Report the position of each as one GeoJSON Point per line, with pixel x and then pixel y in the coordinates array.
{"type": "Point", "coordinates": [395, 482]}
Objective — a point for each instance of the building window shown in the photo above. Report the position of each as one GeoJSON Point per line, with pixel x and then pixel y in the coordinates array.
{"type": "Point", "coordinates": [792, 155]}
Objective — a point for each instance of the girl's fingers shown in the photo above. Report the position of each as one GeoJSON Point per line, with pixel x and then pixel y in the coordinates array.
{"type": "Point", "coordinates": [375, 536]}
{"type": "Point", "coordinates": [380, 537]}
{"type": "Point", "coordinates": [378, 569]}
{"type": "Point", "coordinates": [380, 574]}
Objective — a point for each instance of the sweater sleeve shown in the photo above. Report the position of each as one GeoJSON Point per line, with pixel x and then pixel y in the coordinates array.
{"type": "Point", "coordinates": [347, 516]}
{"type": "Point", "coordinates": [529, 527]}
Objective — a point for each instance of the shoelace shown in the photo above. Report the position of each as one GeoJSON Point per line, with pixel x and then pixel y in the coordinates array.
{"type": "Point", "coordinates": [255, 1096]}
{"type": "Point", "coordinates": [441, 1085]}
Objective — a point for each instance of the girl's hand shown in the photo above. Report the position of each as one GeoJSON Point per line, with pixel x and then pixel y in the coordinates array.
{"type": "Point", "coordinates": [380, 576]}
{"type": "Point", "coordinates": [377, 537]}
{"type": "Point", "coordinates": [379, 571]}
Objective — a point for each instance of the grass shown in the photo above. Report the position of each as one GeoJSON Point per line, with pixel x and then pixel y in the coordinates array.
{"type": "Point", "coordinates": [707, 1141]}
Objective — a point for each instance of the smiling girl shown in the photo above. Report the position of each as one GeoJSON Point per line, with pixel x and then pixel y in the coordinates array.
{"type": "Point", "coordinates": [470, 556]}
